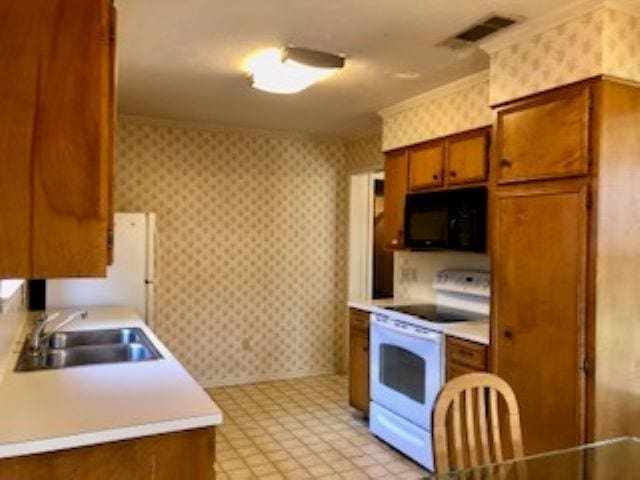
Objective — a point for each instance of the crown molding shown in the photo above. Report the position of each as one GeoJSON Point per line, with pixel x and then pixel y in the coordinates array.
{"type": "Point", "coordinates": [222, 128]}
{"type": "Point", "coordinates": [556, 17]}
{"type": "Point", "coordinates": [436, 93]}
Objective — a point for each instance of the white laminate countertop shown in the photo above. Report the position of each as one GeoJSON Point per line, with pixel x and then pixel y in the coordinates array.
{"type": "Point", "coordinates": [57, 409]}
{"type": "Point", "coordinates": [474, 331]}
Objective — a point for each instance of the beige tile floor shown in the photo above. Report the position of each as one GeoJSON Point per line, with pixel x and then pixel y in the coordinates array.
{"type": "Point", "coordinates": [300, 429]}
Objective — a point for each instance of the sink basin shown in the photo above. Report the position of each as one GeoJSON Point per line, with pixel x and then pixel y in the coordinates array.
{"type": "Point", "coordinates": [95, 337]}
{"type": "Point", "coordinates": [71, 357]}
{"type": "Point", "coordinates": [89, 347]}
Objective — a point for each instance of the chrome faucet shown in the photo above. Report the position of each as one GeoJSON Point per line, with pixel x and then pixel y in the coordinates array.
{"type": "Point", "coordinates": [37, 337]}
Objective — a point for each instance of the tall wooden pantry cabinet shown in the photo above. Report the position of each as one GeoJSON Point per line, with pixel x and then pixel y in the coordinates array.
{"type": "Point", "coordinates": [565, 228]}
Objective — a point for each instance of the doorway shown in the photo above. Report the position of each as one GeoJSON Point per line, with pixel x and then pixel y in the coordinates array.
{"type": "Point", "coordinates": [370, 264]}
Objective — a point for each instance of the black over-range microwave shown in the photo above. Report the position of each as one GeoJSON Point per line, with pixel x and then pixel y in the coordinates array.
{"type": "Point", "coordinates": [451, 220]}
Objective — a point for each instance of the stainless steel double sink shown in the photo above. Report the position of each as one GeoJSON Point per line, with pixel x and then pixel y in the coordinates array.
{"type": "Point", "coordinates": [87, 347]}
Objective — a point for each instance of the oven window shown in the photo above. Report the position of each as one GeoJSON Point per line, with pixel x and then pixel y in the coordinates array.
{"type": "Point", "coordinates": [403, 371]}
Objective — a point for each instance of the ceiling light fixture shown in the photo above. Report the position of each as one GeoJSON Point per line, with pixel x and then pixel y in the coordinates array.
{"type": "Point", "coordinates": [290, 69]}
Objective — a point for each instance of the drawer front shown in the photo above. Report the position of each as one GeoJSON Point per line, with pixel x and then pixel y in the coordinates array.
{"type": "Point", "coordinates": [468, 354]}
{"type": "Point", "coordinates": [359, 321]}
{"type": "Point", "coordinates": [545, 137]}
{"type": "Point", "coordinates": [454, 370]}
{"type": "Point", "coordinates": [426, 163]}
{"type": "Point", "coordinates": [467, 157]}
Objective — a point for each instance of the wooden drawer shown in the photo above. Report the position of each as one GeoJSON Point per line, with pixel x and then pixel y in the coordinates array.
{"type": "Point", "coordinates": [454, 370]}
{"type": "Point", "coordinates": [359, 321]}
{"type": "Point", "coordinates": [544, 137]}
{"type": "Point", "coordinates": [426, 163]}
{"type": "Point", "coordinates": [466, 354]}
{"type": "Point", "coordinates": [467, 157]}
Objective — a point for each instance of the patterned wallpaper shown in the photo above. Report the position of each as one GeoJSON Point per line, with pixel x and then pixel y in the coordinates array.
{"type": "Point", "coordinates": [252, 247]}
{"type": "Point", "coordinates": [621, 40]}
{"type": "Point", "coordinates": [364, 154]}
{"type": "Point", "coordinates": [603, 41]}
{"type": "Point", "coordinates": [455, 112]}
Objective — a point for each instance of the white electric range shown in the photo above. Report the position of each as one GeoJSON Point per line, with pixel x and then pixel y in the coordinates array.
{"type": "Point", "coordinates": [407, 360]}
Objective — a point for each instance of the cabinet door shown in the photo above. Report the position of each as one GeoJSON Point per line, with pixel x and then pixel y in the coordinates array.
{"type": "Point", "coordinates": [71, 149]}
{"type": "Point", "coordinates": [395, 189]}
{"type": "Point", "coordinates": [539, 269]}
{"type": "Point", "coordinates": [359, 371]}
{"type": "Point", "coordinates": [55, 137]}
{"type": "Point", "coordinates": [426, 163]}
{"type": "Point", "coordinates": [545, 137]}
{"type": "Point", "coordinates": [467, 157]}
{"type": "Point", "coordinates": [19, 52]}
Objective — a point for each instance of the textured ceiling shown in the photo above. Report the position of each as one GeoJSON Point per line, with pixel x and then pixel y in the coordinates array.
{"type": "Point", "coordinates": [181, 59]}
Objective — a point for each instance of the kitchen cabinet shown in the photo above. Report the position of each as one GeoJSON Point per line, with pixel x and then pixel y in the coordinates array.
{"type": "Point", "coordinates": [395, 189]}
{"type": "Point", "coordinates": [359, 360]}
{"type": "Point", "coordinates": [185, 454]}
{"type": "Point", "coordinates": [544, 137]}
{"type": "Point", "coordinates": [468, 157]}
{"type": "Point", "coordinates": [565, 329]}
{"type": "Point", "coordinates": [539, 289]}
{"type": "Point", "coordinates": [56, 125]}
{"type": "Point", "coordinates": [464, 356]}
{"type": "Point", "coordinates": [426, 164]}
{"type": "Point", "coordinates": [457, 160]}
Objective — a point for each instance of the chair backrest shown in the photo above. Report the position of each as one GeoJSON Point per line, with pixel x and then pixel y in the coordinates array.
{"type": "Point", "coordinates": [469, 405]}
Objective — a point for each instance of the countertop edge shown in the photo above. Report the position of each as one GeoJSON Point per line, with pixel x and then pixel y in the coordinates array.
{"type": "Point", "coordinates": [31, 447]}
{"type": "Point", "coordinates": [457, 330]}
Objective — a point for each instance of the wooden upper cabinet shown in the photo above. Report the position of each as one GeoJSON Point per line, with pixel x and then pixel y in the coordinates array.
{"type": "Point", "coordinates": [56, 133]}
{"type": "Point", "coordinates": [426, 163]}
{"type": "Point", "coordinates": [544, 137]}
{"type": "Point", "coordinates": [539, 270]}
{"type": "Point", "coordinates": [395, 189]}
{"type": "Point", "coordinates": [468, 157]}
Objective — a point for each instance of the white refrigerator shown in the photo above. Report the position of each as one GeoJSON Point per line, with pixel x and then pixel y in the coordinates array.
{"type": "Point", "coordinates": [130, 279]}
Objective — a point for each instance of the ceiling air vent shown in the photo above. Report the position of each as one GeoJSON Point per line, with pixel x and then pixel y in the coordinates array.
{"type": "Point", "coordinates": [480, 30]}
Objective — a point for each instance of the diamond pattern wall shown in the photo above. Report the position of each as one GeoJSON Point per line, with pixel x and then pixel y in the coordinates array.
{"type": "Point", "coordinates": [252, 247]}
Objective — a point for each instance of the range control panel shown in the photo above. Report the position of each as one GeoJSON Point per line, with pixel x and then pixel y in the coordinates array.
{"type": "Point", "coordinates": [471, 282]}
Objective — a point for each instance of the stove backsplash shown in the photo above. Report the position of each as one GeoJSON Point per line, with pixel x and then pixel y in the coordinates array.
{"type": "Point", "coordinates": [414, 271]}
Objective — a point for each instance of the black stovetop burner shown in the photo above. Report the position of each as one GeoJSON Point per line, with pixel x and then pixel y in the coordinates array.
{"type": "Point", "coordinates": [435, 313]}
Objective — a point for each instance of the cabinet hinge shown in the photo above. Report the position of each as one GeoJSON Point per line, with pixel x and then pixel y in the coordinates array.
{"type": "Point", "coordinates": [585, 366]}
{"type": "Point", "coordinates": [589, 200]}
{"type": "Point", "coordinates": [110, 239]}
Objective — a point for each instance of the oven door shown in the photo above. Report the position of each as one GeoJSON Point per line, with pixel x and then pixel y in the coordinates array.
{"type": "Point", "coordinates": [406, 370]}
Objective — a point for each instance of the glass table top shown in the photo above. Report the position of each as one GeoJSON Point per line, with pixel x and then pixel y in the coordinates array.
{"type": "Point", "coordinates": [617, 459]}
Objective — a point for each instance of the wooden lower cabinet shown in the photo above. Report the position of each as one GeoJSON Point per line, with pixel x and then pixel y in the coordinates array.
{"type": "Point", "coordinates": [187, 454]}
{"type": "Point", "coordinates": [359, 360]}
{"type": "Point", "coordinates": [463, 356]}
{"type": "Point", "coordinates": [539, 299]}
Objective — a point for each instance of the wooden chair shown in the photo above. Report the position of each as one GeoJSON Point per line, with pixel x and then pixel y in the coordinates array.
{"type": "Point", "coordinates": [476, 440]}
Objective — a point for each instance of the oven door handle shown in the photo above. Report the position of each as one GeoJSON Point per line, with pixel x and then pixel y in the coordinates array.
{"type": "Point", "coordinates": [429, 336]}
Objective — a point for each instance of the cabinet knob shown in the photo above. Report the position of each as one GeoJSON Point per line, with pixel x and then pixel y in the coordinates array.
{"type": "Point", "coordinates": [435, 177]}
{"type": "Point", "coordinates": [508, 334]}
{"type": "Point", "coordinates": [504, 162]}
{"type": "Point", "coordinates": [452, 173]}
{"type": "Point", "coordinates": [366, 349]}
